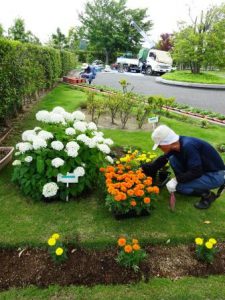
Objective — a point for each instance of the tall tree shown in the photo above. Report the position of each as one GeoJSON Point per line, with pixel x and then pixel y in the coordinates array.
{"type": "Point", "coordinates": [58, 40]}
{"type": "Point", "coordinates": [17, 32]}
{"type": "Point", "coordinates": [165, 43]}
{"type": "Point", "coordinates": [106, 25]}
{"type": "Point", "coordinates": [203, 41]}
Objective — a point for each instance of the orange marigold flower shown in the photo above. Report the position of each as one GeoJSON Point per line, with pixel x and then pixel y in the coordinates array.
{"type": "Point", "coordinates": [128, 248]}
{"type": "Point", "coordinates": [135, 241]}
{"type": "Point", "coordinates": [110, 169]}
{"type": "Point", "coordinates": [148, 182]}
{"type": "Point", "coordinates": [123, 196]}
{"type": "Point", "coordinates": [139, 193]}
{"type": "Point", "coordinates": [150, 189]}
{"type": "Point", "coordinates": [136, 247]}
{"type": "Point", "coordinates": [130, 192]}
{"type": "Point", "coordinates": [102, 169]}
{"type": "Point", "coordinates": [120, 172]}
{"type": "Point", "coordinates": [147, 200]}
{"type": "Point", "coordinates": [155, 189]}
{"type": "Point", "coordinates": [123, 188]}
{"type": "Point", "coordinates": [133, 203]}
{"type": "Point", "coordinates": [121, 242]}
{"type": "Point", "coordinates": [117, 197]}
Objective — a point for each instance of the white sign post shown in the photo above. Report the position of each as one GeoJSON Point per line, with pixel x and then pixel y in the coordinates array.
{"type": "Point", "coordinates": [68, 178]}
{"type": "Point", "coordinates": [153, 121]}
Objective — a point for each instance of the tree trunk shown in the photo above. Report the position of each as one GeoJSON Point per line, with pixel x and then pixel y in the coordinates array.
{"type": "Point", "coordinates": [106, 57]}
{"type": "Point", "coordinates": [195, 68]}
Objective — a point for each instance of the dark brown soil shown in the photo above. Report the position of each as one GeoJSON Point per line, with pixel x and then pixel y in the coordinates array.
{"type": "Point", "coordinates": [90, 267]}
{"type": "Point", "coordinates": [3, 153]}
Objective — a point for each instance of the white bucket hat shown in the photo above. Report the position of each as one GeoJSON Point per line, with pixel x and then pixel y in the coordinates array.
{"type": "Point", "coordinates": [84, 66]}
{"type": "Point", "coordinates": [163, 135]}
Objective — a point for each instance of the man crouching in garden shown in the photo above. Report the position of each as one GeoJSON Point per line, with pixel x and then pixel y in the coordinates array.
{"type": "Point", "coordinates": [197, 166]}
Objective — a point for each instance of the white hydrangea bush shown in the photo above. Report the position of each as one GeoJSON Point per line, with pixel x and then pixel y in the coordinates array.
{"type": "Point", "coordinates": [65, 143]}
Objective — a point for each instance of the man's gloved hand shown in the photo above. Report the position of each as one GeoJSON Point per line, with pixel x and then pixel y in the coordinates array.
{"type": "Point", "coordinates": [171, 185]}
{"type": "Point", "coordinates": [151, 169]}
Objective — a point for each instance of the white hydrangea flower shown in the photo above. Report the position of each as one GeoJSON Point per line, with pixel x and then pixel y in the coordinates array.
{"type": "Point", "coordinates": [108, 141]}
{"type": "Point", "coordinates": [28, 159]}
{"type": "Point", "coordinates": [81, 126]}
{"type": "Point", "coordinates": [72, 145]}
{"type": "Point", "coordinates": [28, 135]}
{"type": "Point", "coordinates": [58, 110]}
{"type": "Point", "coordinates": [72, 152]}
{"type": "Point", "coordinates": [79, 171]}
{"type": "Point", "coordinates": [78, 115]}
{"type": "Point", "coordinates": [45, 135]}
{"type": "Point", "coordinates": [39, 143]}
{"type": "Point", "coordinates": [92, 143]}
{"type": "Point", "coordinates": [109, 159]}
{"type": "Point", "coordinates": [57, 145]}
{"type": "Point", "coordinates": [37, 128]}
{"type": "Point", "coordinates": [98, 139]}
{"type": "Point", "coordinates": [104, 148]}
{"type": "Point", "coordinates": [56, 118]}
{"type": "Point", "coordinates": [83, 138]}
{"type": "Point", "coordinates": [92, 126]}
{"type": "Point", "coordinates": [17, 153]}
{"type": "Point", "coordinates": [23, 147]}
{"type": "Point", "coordinates": [16, 162]}
{"type": "Point", "coordinates": [57, 162]}
{"type": "Point", "coordinates": [98, 133]}
{"type": "Point", "coordinates": [43, 116]}
{"type": "Point", "coordinates": [70, 131]}
{"type": "Point", "coordinates": [50, 189]}
{"type": "Point", "coordinates": [68, 116]}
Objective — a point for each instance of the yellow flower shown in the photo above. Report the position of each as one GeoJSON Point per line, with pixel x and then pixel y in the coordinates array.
{"type": "Point", "coordinates": [51, 242]}
{"type": "Point", "coordinates": [55, 236]}
{"type": "Point", "coordinates": [208, 245]}
{"type": "Point", "coordinates": [59, 251]}
{"type": "Point", "coordinates": [212, 241]}
{"type": "Point", "coordinates": [134, 241]}
{"type": "Point", "coordinates": [117, 162]}
{"type": "Point", "coordinates": [199, 241]}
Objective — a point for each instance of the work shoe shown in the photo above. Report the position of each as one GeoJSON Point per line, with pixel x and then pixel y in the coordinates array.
{"type": "Point", "coordinates": [206, 201]}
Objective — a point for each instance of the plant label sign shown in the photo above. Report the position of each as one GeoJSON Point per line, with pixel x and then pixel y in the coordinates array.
{"type": "Point", "coordinates": [153, 120]}
{"type": "Point", "coordinates": [68, 178]}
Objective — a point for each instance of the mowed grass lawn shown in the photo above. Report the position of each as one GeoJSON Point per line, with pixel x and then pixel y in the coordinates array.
{"type": "Point", "coordinates": [87, 221]}
{"type": "Point", "coordinates": [203, 77]}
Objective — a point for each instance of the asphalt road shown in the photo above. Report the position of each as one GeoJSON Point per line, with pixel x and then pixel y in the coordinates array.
{"type": "Point", "coordinates": [213, 100]}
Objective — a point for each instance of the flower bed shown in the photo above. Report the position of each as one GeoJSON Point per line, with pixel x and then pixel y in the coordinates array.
{"type": "Point", "coordinates": [70, 146]}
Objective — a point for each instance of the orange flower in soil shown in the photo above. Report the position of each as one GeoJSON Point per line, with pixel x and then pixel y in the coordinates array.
{"type": "Point", "coordinates": [147, 182]}
{"type": "Point", "coordinates": [121, 242]}
{"type": "Point", "coordinates": [147, 200]}
{"type": "Point", "coordinates": [134, 241]}
{"type": "Point", "coordinates": [136, 247]}
{"type": "Point", "coordinates": [128, 248]}
{"type": "Point", "coordinates": [133, 203]}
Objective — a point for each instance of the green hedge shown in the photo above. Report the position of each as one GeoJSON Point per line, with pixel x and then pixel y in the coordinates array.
{"type": "Point", "coordinates": [26, 69]}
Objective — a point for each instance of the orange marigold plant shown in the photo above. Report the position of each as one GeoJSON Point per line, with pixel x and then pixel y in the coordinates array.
{"type": "Point", "coordinates": [128, 190]}
{"type": "Point", "coordinates": [130, 254]}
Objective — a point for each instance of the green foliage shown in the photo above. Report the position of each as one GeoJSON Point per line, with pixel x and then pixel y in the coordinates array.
{"type": "Point", "coordinates": [143, 110]}
{"type": "Point", "coordinates": [113, 103]}
{"type": "Point", "coordinates": [56, 249]}
{"type": "Point", "coordinates": [131, 254]}
{"type": "Point", "coordinates": [106, 24]}
{"type": "Point", "coordinates": [126, 108]}
{"type": "Point", "coordinates": [187, 76]}
{"type": "Point", "coordinates": [17, 32]}
{"type": "Point", "coordinates": [95, 105]}
{"type": "Point", "coordinates": [206, 251]}
{"type": "Point", "coordinates": [202, 43]}
{"type": "Point", "coordinates": [25, 70]}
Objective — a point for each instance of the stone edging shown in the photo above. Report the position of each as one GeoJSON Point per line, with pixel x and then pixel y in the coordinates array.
{"type": "Point", "coordinates": [191, 84]}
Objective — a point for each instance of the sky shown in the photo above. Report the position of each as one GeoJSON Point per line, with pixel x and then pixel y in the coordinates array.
{"type": "Point", "coordinates": [42, 17]}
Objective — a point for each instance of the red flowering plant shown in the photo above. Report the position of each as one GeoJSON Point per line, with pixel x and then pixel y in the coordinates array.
{"type": "Point", "coordinates": [128, 190]}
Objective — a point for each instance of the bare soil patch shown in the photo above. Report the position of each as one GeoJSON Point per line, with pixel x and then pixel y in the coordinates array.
{"type": "Point", "coordinates": [90, 267]}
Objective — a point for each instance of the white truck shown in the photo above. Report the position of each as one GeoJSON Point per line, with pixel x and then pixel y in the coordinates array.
{"type": "Point", "coordinates": [149, 61]}
{"type": "Point", "coordinates": [127, 64]}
